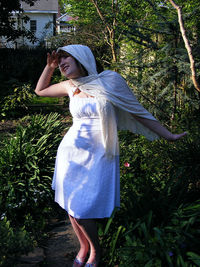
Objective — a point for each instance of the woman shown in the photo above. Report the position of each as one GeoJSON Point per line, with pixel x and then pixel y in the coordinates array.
{"type": "Point", "coordinates": [86, 176]}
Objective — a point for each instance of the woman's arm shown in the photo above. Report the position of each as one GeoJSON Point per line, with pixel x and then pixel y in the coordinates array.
{"type": "Point", "coordinates": [43, 87]}
{"type": "Point", "coordinates": [156, 127]}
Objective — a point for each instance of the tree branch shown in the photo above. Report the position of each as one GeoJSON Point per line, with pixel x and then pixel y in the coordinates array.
{"type": "Point", "coordinates": [101, 15]}
{"type": "Point", "coordinates": [187, 45]}
{"type": "Point", "coordinates": [110, 28]}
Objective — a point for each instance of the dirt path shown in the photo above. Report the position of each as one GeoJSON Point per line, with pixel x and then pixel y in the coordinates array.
{"type": "Point", "coordinates": [59, 249]}
{"type": "Point", "coordinates": [62, 246]}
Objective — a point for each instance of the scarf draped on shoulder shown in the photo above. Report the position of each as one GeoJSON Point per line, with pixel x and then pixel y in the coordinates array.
{"type": "Point", "coordinates": [117, 105]}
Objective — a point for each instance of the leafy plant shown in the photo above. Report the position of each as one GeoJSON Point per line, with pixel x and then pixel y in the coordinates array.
{"type": "Point", "coordinates": [13, 242]}
{"type": "Point", "coordinates": [148, 245]}
{"type": "Point", "coordinates": [17, 102]}
{"type": "Point", "coordinates": [26, 169]}
{"type": "Point", "coordinates": [157, 224]}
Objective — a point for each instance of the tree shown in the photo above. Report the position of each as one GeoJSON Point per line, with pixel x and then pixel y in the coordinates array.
{"type": "Point", "coordinates": [8, 27]}
{"type": "Point", "coordinates": [187, 45]}
{"type": "Point", "coordinates": [101, 16]}
{"type": "Point", "coordinates": [156, 62]}
{"type": "Point", "coordinates": [105, 15]}
{"type": "Point", "coordinates": [111, 18]}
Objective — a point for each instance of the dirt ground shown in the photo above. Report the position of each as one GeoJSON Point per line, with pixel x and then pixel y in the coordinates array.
{"type": "Point", "coordinates": [59, 250]}
{"type": "Point", "coordinates": [8, 126]}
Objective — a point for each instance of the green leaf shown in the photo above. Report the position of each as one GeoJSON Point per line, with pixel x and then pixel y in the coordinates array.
{"type": "Point", "coordinates": [194, 257]}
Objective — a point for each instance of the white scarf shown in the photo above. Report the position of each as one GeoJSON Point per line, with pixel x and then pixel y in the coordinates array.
{"type": "Point", "coordinates": [116, 101]}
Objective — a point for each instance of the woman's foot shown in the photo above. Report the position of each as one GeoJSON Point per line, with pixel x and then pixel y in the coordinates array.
{"type": "Point", "coordinates": [78, 262]}
{"type": "Point", "coordinates": [94, 258]}
{"type": "Point", "coordinates": [94, 264]}
{"type": "Point", "coordinates": [81, 258]}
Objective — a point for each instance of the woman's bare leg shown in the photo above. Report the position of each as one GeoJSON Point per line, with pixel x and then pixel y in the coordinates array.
{"type": "Point", "coordinates": [84, 245]}
{"type": "Point", "coordinates": [89, 229]}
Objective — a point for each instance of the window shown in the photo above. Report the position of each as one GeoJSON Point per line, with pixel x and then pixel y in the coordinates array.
{"type": "Point", "coordinates": [33, 25]}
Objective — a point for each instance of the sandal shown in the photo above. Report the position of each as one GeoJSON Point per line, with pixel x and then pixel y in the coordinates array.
{"type": "Point", "coordinates": [90, 264]}
{"type": "Point", "coordinates": [78, 263]}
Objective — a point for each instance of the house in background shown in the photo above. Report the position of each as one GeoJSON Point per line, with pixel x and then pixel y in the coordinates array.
{"type": "Point", "coordinates": [42, 23]}
{"type": "Point", "coordinates": [63, 24]}
{"type": "Point", "coordinates": [45, 22]}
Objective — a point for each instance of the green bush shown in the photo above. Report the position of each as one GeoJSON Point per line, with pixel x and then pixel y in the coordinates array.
{"type": "Point", "coordinates": [16, 104]}
{"type": "Point", "coordinates": [13, 243]}
{"type": "Point", "coordinates": [26, 169]}
{"type": "Point", "coordinates": [158, 223]}
{"type": "Point", "coordinates": [165, 245]}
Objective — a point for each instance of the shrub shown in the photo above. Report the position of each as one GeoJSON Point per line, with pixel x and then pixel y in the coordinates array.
{"type": "Point", "coordinates": [16, 104]}
{"type": "Point", "coordinates": [157, 224]}
{"type": "Point", "coordinates": [13, 242]}
{"type": "Point", "coordinates": [165, 245]}
{"type": "Point", "coordinates": [26, 169]}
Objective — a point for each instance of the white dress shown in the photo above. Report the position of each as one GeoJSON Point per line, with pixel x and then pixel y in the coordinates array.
{"type": "Point", "coordinates": [86, 182]}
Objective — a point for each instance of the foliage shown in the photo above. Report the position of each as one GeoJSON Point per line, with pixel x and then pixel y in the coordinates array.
{"type": "Point", "coordinates": [156, 62]}
{"type": "Point", "coordinates": [26, 169]}
{"type": "Point", "coordinates": [8, 28]}
{"type": "Point", "coordinates": [158, 223]}
{"type": "Point", "coordinates": [16, 103]}
{"type": "Point", "coordinates": [149, 47]}
{"type": "Point", "coordinates": [13, 242]}
{"type": "Point", "coordinates": [148, 245]}
{"type": "Point", "coordinates": [99, 22]}
{"type": "Point", "coordinates": [24, 67]}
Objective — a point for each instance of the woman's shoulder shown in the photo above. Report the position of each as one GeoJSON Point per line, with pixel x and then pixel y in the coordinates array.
{"type": "Point", "coordinates": [64, 83]}
{"type": "Point", "coordinates": [68, 86]}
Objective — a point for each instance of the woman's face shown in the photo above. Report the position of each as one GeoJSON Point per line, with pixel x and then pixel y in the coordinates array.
{"type": "Point", "coordinates": [69, 67]}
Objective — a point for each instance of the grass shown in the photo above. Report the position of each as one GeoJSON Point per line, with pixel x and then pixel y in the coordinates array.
{"type": "Point", "coordinates": [45, 100]}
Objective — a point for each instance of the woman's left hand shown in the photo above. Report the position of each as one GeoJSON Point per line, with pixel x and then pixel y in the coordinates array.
{"type": "Point", "coordinates": [175, 137]}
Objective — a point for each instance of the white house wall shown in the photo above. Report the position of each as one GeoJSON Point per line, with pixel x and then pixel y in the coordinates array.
{"type": "Point", "coordinates": [42, 21]}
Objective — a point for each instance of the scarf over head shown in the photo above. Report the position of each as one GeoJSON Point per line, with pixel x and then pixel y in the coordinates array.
{"type": "Point", "coordinates": [116, 101]}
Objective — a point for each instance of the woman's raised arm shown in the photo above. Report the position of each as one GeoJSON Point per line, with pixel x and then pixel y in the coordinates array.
{"type": "Point", "coordinates": [43, 87]}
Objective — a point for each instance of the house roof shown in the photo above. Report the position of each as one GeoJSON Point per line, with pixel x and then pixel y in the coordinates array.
{"type": "Point", "coordinates": [66, 17]}
{"type": "Point", "coordinates": [50, 6]}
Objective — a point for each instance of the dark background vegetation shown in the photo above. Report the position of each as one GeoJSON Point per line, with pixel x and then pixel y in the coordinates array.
{"type": "Point", "coordinates": [158, 223]}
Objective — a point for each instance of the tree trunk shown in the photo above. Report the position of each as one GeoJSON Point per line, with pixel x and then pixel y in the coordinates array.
{"type": "Point", "coordinates": [113, 46]}
{"type": "Point", "coordinates": [187, 45]}
{"type": "Point", "coordinates": [110, 29]}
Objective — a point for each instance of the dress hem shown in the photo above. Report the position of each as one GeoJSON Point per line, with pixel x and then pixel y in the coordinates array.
{"type": "Point", "coordinates": [89, 217]}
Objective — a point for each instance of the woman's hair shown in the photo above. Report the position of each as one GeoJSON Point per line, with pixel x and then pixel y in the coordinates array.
{"type": "Point", "coordinates": [62, 53]}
